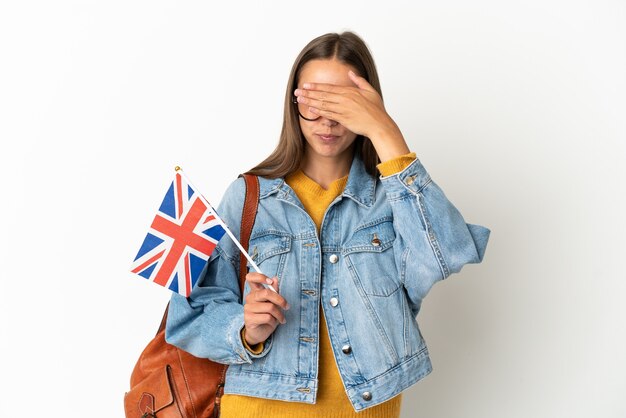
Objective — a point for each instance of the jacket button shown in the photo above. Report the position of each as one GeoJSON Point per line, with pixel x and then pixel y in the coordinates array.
{"type": "Point", "coordinates": [346, 349]}
{"type": "Point", "coordinates": [334, 302]}
{"type": "Point", "coordinates": [376, 241]}
{"type": "Point", "coordinates": [409, 180]}
{"type": "Point", "coordinates": [333, 258]}
{"type": "Point", "coordinates": [367, 396]}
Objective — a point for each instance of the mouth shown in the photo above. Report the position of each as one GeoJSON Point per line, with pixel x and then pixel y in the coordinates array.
{"type": "Point", "coordinates": [327, 137]}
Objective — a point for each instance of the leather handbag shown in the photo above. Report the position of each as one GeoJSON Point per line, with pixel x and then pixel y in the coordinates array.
{"type": "Point", "coordinates": [168, 382]}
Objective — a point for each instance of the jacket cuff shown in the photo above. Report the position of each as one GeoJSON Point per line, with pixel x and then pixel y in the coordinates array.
{"type": "Point", "coordinates": [240, 346]}
{"type": "Point", "coordinates": [411, 180]}
{"type": "Point", "coordinates": [256, 348]}
{"type": "Point", "coordinates": [396, 165]}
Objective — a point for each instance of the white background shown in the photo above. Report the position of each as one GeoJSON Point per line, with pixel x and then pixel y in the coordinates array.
{"type": "Point", "coordinates": [515, 108]}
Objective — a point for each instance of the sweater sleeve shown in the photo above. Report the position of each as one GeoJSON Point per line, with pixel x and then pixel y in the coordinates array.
{"type": "Point", "coordinates": [256, 348]}
{"type": "Point", "coordinates": [393, 166]}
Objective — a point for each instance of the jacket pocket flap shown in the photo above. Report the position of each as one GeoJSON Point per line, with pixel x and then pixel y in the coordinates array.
{"type": "Point", "coordinates": [375, 236]}
{"type": "Point", "coordinates": [267, 244]}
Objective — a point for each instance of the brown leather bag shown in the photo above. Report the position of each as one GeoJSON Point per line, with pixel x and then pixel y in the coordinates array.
{"type": "Point", "coordinates": [168, 382]}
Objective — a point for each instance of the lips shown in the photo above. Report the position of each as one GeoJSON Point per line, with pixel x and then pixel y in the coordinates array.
{"type": "Point", "coordinates": [326, 137]}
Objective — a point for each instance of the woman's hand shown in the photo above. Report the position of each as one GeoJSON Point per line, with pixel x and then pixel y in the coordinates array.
{"type": "Point", "coordinates": [263, 310]}
{"type": "Point", "coordinates": [360, 109]}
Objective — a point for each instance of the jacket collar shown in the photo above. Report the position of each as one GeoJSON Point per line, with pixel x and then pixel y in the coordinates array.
{"type": "Point", "coordinates": [361, 186]}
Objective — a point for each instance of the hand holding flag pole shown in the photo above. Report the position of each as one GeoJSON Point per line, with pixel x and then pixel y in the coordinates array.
{"type": "Point", "coordinates": [181, 238]}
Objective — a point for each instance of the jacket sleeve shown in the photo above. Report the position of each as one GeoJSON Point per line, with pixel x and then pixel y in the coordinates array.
{"type": "Point", "coordinates": [433, 240]}
{"type": "Point", "coordinates": [209, 322]}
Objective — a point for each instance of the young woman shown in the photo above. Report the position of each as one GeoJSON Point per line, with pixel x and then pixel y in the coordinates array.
{"type": "Point", "coordinates": [352, 233]}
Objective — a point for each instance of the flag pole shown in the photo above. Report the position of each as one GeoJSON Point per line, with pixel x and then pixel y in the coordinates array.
{"type": "Point", "coordinates": [219, 220]}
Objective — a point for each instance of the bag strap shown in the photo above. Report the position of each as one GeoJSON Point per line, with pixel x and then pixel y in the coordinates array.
{"type": "Point", "coordinates": [248, 216]}
{"type": "Point", "coordinates": [250, 206]}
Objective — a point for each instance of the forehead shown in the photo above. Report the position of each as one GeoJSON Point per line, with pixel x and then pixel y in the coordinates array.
{"type": "Point", "coordinates": [326, 71]}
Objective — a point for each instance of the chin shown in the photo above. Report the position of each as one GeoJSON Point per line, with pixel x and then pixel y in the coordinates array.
{"type": "Point", "coordinates": [330, 151]}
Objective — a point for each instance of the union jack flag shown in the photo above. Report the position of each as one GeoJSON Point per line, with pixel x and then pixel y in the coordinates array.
{"type": "Point", "coordinates": [182, 236]}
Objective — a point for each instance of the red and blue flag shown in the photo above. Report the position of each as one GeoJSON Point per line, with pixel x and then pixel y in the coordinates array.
{"type": "Point", "coordinates": [182, 236]}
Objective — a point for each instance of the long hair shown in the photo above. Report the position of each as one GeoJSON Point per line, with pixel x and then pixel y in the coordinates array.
{"type": "Point", "coordinates": [348, 48]}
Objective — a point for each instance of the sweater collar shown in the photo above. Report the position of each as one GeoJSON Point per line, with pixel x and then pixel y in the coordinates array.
{"type": "Point", "coordinates": [361, 186]}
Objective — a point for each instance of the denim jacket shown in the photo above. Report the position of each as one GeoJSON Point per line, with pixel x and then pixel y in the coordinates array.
{"type": "Point", "coordinates": [383, 243]}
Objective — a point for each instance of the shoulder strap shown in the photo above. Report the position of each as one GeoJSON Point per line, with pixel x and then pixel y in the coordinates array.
{"type": "Point", "coordinates": [250, 206]}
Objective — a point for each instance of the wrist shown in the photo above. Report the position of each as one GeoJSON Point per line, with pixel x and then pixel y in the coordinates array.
{"type": "Point", "coordinates": [390, 144]}
{"type": "Point", "coordinates": [388, 141]}
{"type": "Point", "coordinates": [246, 338]}
{"type": "Point", "coordinates": [253, 347]}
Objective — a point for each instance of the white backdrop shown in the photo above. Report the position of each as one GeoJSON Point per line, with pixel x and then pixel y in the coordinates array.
{"type": "Point", "coordinates": [516, 109]}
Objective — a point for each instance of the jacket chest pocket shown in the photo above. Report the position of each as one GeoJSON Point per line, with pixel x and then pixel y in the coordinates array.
{"type": "Point", "coordinates": [370, 257]}
{"type": "Point", "coordinates": [268, 249]}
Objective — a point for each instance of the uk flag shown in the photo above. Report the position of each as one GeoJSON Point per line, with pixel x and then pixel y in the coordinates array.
{"type": "Point", "coordinates": [180, 241]}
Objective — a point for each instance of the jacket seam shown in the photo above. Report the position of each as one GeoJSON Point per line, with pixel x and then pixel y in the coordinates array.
{"type": "Point", "coordinates": [398, 365]}
{"type": "Point", "coordinates": [374, 222]}
{"type": "Point", "coordinates": [409, 191]}
{"type": "Point", "coordinates": [368, 304]}
{"type": "Point", "coordinates": [222, 253]}
{"type": "Point", "coordinates": [405, 324]}
{"type": "Point", "coordinates": [405, 256]}
{"type": "Point", "coordinates": [432, 239]}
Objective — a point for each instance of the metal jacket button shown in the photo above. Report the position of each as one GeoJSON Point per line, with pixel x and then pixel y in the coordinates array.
{"type": "Point", "coordinates": [367, 396]}
{"type": "Point", "coordinates": [346, 349]}
{"type": "Point", "coordinates": [375, 241]}
{"type": "Point", "coordinates": [333, 258]}
{"type": "Point", "coordinates": [334, 302]}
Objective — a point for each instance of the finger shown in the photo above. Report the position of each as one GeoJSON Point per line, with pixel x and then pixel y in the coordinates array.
{"type": "Point", "coordinates": [256, 280]}
{"type": "Point", "coordinates": [266, 308]}
{"type": "Point", "coordinates": [319, 95]}
{"type": "Point", "coordinates": [360, 82]}
{"type": "Point", "coordinates": [327, 113]}
{"type": "Point", "coordinates": [320, 104]}
{"type": "Point", "coordinates": [273, 282]}
{"type": "Point", "coordinates": [335, 104]}
{"type": "Point", "coordinates": [266, 295]}
{"type": "Point", "coordinates": [253, 320]}
{"type": "Point", "coordinates": [256, 315]}
{"type": "Point", "coordinates": [330, 88]}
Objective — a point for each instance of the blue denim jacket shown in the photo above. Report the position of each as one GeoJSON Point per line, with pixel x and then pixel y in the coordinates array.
{"type": "Point", "coordinates": [383, 244]}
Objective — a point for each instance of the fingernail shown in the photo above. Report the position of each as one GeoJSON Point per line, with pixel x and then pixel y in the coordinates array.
{"type": "Point", "coordinates": [298, 91]}
{"type": "Point", "coordinates": [268, 281]}
{"type": "Point", "coordinates": [306, 85]}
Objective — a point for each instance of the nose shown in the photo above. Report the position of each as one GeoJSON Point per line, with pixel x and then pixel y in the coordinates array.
{"type": "Point", "coordinates": [329, 122]}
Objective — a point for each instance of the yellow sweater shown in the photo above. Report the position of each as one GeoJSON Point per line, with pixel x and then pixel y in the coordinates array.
{"type": "Point", "coordinates": [331, 400]}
